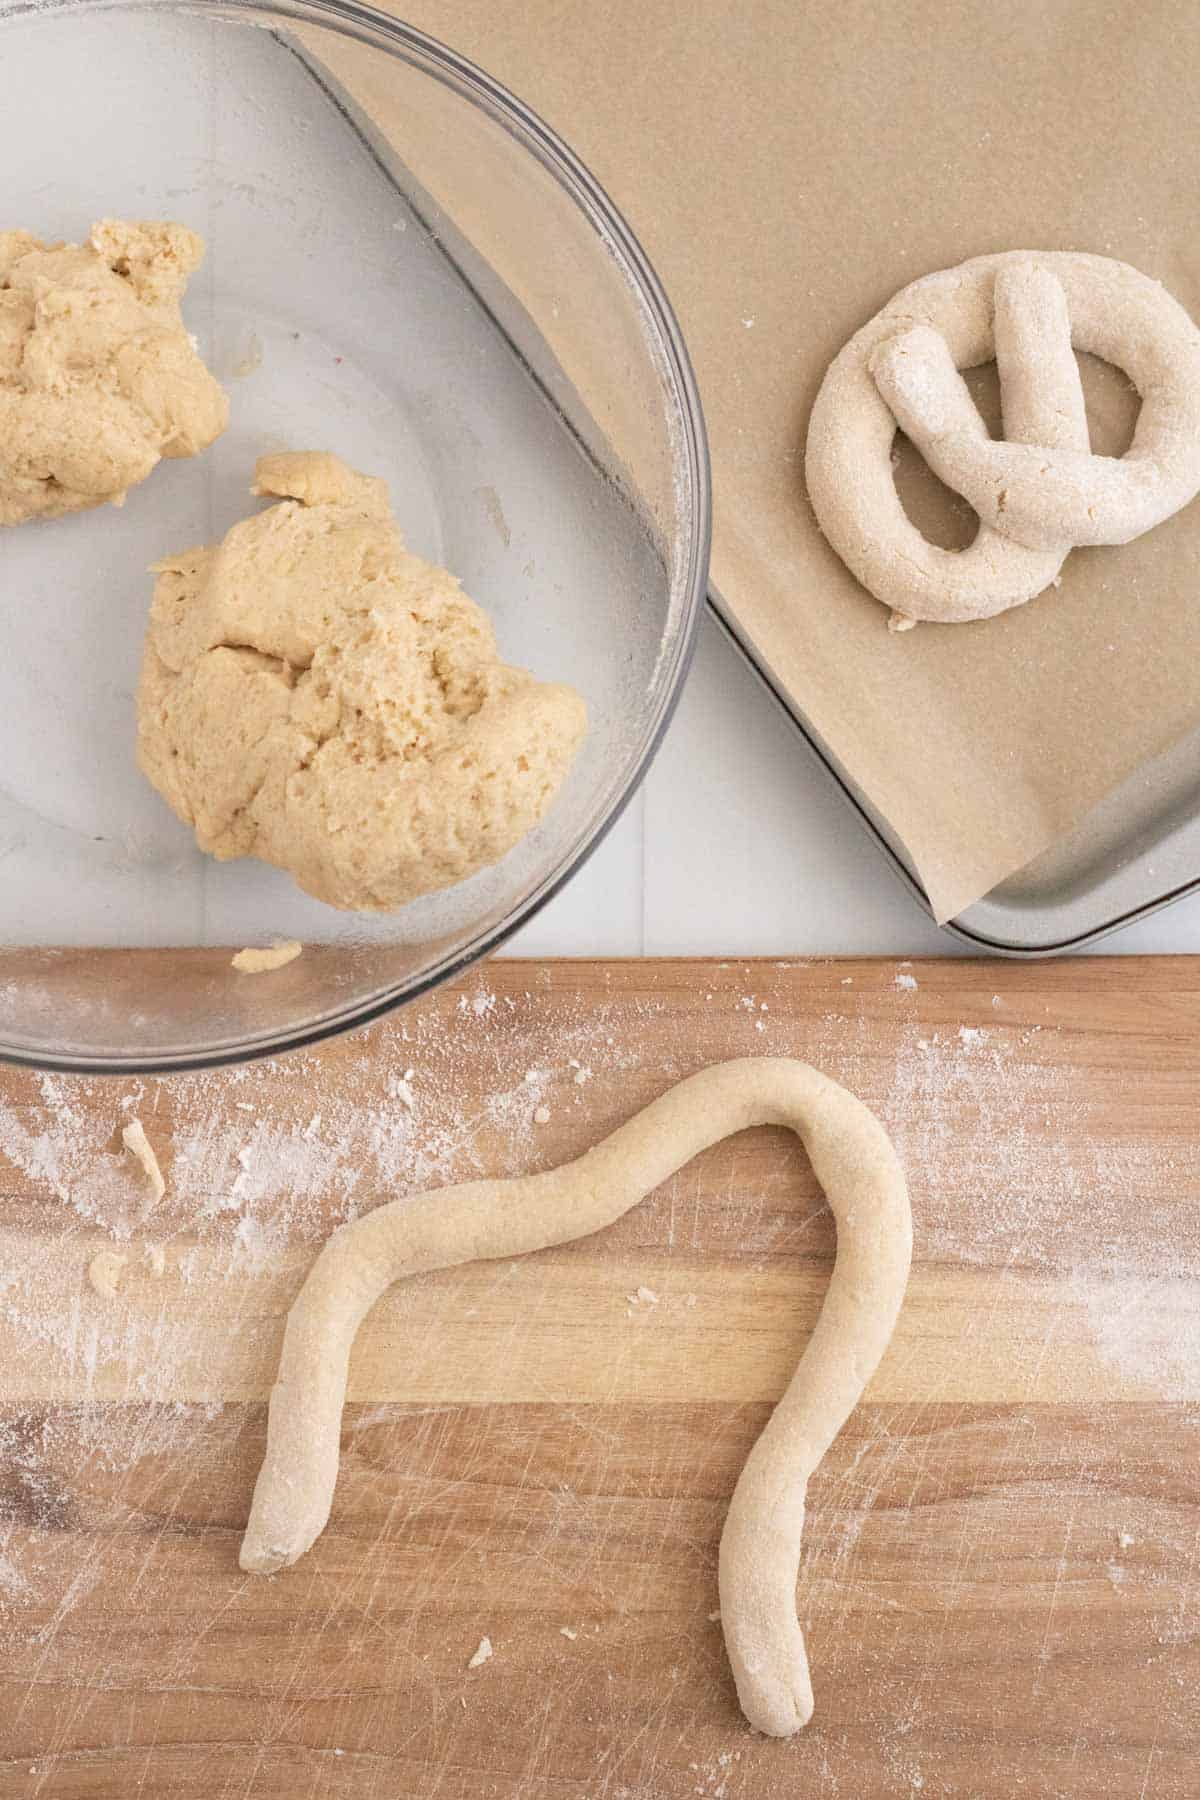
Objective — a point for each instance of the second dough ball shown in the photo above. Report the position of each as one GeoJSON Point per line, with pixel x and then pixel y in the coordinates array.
{"type": "Point", "coordinates": [98, 376]}
{"type": "Point", "coordinates": [315, 695]}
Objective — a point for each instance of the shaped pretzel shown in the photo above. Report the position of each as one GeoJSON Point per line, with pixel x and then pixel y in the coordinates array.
{"type": "Point", "coordinates": [760, 1546]}
{"type": "Point", "coordinates": [1039, 492]}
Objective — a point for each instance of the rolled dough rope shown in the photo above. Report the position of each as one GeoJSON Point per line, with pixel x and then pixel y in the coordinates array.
{"type": "Point", "coordinates": [1039, 376]}
{"type": "Point", "coordinates": [853, 1160]}
{"type": "Point", "coordinates": [1038, 492]}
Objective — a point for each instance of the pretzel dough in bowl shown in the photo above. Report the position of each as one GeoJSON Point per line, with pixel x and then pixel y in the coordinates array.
{"type": "Point", "coordinates": [315, 695]}
{"type": "Point", "coordinates": [98, 376]}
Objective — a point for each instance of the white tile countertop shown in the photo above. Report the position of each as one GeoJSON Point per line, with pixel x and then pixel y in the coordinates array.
{"type": "Point", "coordinates": [738, 844]}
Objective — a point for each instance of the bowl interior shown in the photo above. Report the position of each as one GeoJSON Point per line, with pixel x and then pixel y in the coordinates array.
{"type": "Point", "coordinates": [404, 268]}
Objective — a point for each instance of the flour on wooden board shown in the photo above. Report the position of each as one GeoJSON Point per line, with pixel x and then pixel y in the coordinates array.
{"type": "Point", "coordinates": [105, 1271]}
{"type": "Point", "coordinates": [253, 1192]}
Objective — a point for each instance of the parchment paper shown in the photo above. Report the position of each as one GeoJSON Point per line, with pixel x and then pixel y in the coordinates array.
{"type": "Point", "coordinates": [788, 167]}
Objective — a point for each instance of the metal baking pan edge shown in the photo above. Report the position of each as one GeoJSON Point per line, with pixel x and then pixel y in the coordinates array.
{"type": "Point", "coordinates": [988, 925]}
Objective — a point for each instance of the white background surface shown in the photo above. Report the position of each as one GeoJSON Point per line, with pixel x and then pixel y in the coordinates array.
{"type": "Point", "coordinates": [739, 845]}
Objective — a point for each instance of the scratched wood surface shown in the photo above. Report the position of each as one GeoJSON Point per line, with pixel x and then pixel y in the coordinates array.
{"type": "Point", "coordinates": [1000, 1583]}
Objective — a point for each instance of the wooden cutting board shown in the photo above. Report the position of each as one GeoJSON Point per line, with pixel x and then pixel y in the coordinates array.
{"type": "Point", "coordinates": [1000, 1584]}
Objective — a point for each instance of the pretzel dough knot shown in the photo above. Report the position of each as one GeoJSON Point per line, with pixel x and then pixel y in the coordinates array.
{"type": "Point", "coordinates": [1039, 492]}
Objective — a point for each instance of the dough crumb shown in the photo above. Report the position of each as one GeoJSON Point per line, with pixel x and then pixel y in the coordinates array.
{"type": "Point", "coordinates": [246, 365]}
{"type": "Point", "coordinates": [541, 1115]}
{"type": "Point", "coordinates": [134, 1138]}
{"type": "Point", "coordinates": [482, 1655]}
{"type": "Point", "coordinates": [714, 1615]}
{"type": "Point", "coordinates": [105, 1271]}
{"type": "Point", "coordinates": [261, 962]}
{"type": "Point", "coordinates": [898, 621]}
{"type": "Point", "coordinates": [156, 1257]}
{"type": "Point", "coordinates": [906, 983]}
{"type": "Point", "coordinates": [565, 1631]}
{"type": "Point", "coordinates": [315, 695]}
{"type": "Point", "coordinates": [99, 378]}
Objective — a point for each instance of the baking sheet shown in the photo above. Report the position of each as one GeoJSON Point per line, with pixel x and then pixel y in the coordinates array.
{"type": "Point", "coordinates": [788, 169]}
{"type": "Point", "coordinates": [1135, 853]}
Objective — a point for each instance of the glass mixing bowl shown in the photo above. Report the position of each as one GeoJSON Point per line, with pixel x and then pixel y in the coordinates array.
{"type": "Point", "coordinates": [405, 266]}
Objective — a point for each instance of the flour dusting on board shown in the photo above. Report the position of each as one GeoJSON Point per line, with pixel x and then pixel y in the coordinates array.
{"type": "Point", "coordinates": [262, 1162]}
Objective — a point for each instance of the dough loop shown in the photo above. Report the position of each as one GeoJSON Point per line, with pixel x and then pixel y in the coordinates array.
{"type": "Point", "coordinates": [853, 1160]}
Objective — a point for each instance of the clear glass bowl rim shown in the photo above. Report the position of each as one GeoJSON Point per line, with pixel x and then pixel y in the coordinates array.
{"type": "Point", "coordinates": [382, 31]}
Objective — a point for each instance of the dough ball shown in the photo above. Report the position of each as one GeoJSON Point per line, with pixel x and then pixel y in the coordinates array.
{"type": "Point", "coordinates": [314, 695]}
{"type": "Point", "coordinates": [98, 376]}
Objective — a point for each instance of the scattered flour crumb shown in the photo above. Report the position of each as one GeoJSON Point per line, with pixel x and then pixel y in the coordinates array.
{"type": "Point", "coordinates": [1126, 1540]}
{"type": "Point", "coordinates": [644, 1297]}
{"type": "Point", "coordinates": [104, 1272]}
{"type": "Point", "coordinates": [261, 962]}
{"type": "Point", "coordinates": [714, 1615]}
{"type": "Point", "coordinates": [582, 1075]}
{"type": "Point", "coordinates": [401, 1089]}
{"type": "Point", "coordinates": [565, 1631]}
{"type": "Point", "coordinates": [1116, 1574]}
{"type": "Point", "coordinates": [482, 1655]}
{"type": "Point", "coordinates": [156, 1257]}
{"type": "Point", "coordinates": [971, 1035]}
{"type": "Point", "coordinates": [905, 982]}
{"type": "Point", "coordinates": [541, 1115]}
{"type": "Point", "coordinates": [134, 1138]}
